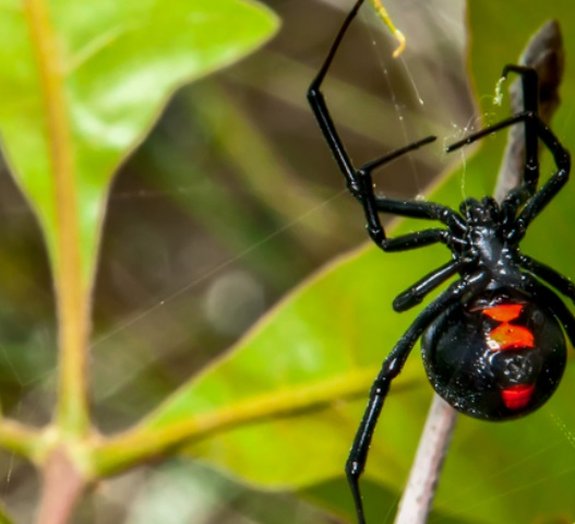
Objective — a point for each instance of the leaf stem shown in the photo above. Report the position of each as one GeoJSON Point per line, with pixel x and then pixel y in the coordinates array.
{"type": "Point", "coordinates": [63, 486]}
{"type": "Point", "coordinates": [71, 290]}
{"type": "Point", "coordinates": [148, 441]}
{"type": "Point", "coordinates": [20, 439]}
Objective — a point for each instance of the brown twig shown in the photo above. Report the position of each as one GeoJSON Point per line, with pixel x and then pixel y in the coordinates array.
{"type": "Point", "coordinates": [62, 485]}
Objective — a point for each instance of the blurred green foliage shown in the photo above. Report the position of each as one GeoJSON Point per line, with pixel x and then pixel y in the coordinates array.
{"type": "Point", "coordinates": [231, 202]}
{"type": "Point", "coordinates": [328, 336]}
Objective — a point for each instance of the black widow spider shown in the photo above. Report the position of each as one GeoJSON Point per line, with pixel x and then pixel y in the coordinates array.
{"type": "Point", "coordinates": [492, 342]}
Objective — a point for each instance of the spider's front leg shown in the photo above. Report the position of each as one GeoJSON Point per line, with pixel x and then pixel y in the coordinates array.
{"type": "Point", "coordinates": [549, 190]}
{"type": "Point", "coordinates": [321, 112]}
{"type": "Point", "coordinates": [373, 205]}
{"type": "Point", "coordinates": [359, 181]}
{"type": "Point", "coordinates": [391, 367]}
{"type": "Point", "coordinates": [530, 95]}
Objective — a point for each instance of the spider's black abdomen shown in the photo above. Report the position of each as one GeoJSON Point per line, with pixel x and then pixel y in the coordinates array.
{"type": "Point", "coordinates": [497, 358]}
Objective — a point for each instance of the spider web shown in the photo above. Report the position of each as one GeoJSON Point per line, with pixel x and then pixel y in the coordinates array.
{"type": "Point", "coordinates": [165, 300]}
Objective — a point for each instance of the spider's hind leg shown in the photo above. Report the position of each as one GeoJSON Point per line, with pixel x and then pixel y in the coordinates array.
{"type": "Point", "coordinates": [529, 85]}
{"type": "Point", "coordinates": [549, 275]}
{"type": "Point", "coordinates": [391, 367]}
{"type": "Point", "coordinates": [553, 301]}
{"type": "Point", "coordinates": [530, 103]}
{"type": "Point", "coordinates": [417, 292]}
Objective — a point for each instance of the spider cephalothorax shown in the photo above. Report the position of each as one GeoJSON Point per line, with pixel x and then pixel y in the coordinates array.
{"type": "Point", "coordinates": [493, 341]}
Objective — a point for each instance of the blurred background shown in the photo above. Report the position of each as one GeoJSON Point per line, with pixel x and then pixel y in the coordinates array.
{"type": "Point", "coordinates": [230, 202]}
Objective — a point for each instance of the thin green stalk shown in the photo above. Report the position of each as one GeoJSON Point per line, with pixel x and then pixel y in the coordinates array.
{"type": "Point", "coordinates": [20, 439]}
{"type": "Point", "coordinates": [71, 291]}
{"type": "Point", "coordinates": [146, 442]}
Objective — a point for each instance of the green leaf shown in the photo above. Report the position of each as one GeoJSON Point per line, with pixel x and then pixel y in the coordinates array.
{"type": "Point", "coordinates": [82, 84]}
{"type": "Point", "coordinates": [281, 408]}
{"type": "Point", "coordinates": [315, 346]}
{"type": "Point", "coordinates": [4, 518]}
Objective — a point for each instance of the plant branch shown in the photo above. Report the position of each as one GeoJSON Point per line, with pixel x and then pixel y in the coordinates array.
{"type": "Point", "coordinates": [544, 52]}
{"type": "Point", "coordinates": [418, 495]}
{"type": "Point", "coordinates": [20, 439]}
{"type": "Point", "coordinates": [71, 290]}
{"type": "Point", "coordinates": [63, 485]}
{"type": "Point", "coordinates": [149, 440]}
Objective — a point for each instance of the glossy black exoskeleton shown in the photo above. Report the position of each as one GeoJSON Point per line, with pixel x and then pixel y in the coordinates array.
{"type": "Point", "coordinates": [493, 341]}
{"type": "Point", "coordinates": [508, 368]}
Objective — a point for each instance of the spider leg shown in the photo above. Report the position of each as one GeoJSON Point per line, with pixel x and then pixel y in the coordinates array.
{"type": "Point", "coordinates": [530, 91]}
{"type": "Point", "coordinates": [549, 275]}
{"type": "Point", "coordinates": [560, 155]}
{"type": "Point", "coordinates": [321, 112]}
{"type": "Point", "coordinates": [543, 132]}
{"type": "Point", "coordinates": [359, 182]}
{"type": "Point", "coordinates": [325, 121]}
{"type": "Point", "coordinates": [540, 199]}
{"type": "Point", "coordinates": [530, 85]}
{"type": "Point", "coordinates": [409, 240]}
{"type": "Point", "coordinates": [422, 209]}
{"type": "Point", "coordinates": [417, 292]}
{"type": "Point", "coordinates": [372, 205]}
{"type": "Point", "coordinates": [391, 367]}
{"type": "Point", "coordinates": [554, 302]}
{"type": "Point", "coordinates": [375, 228]}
